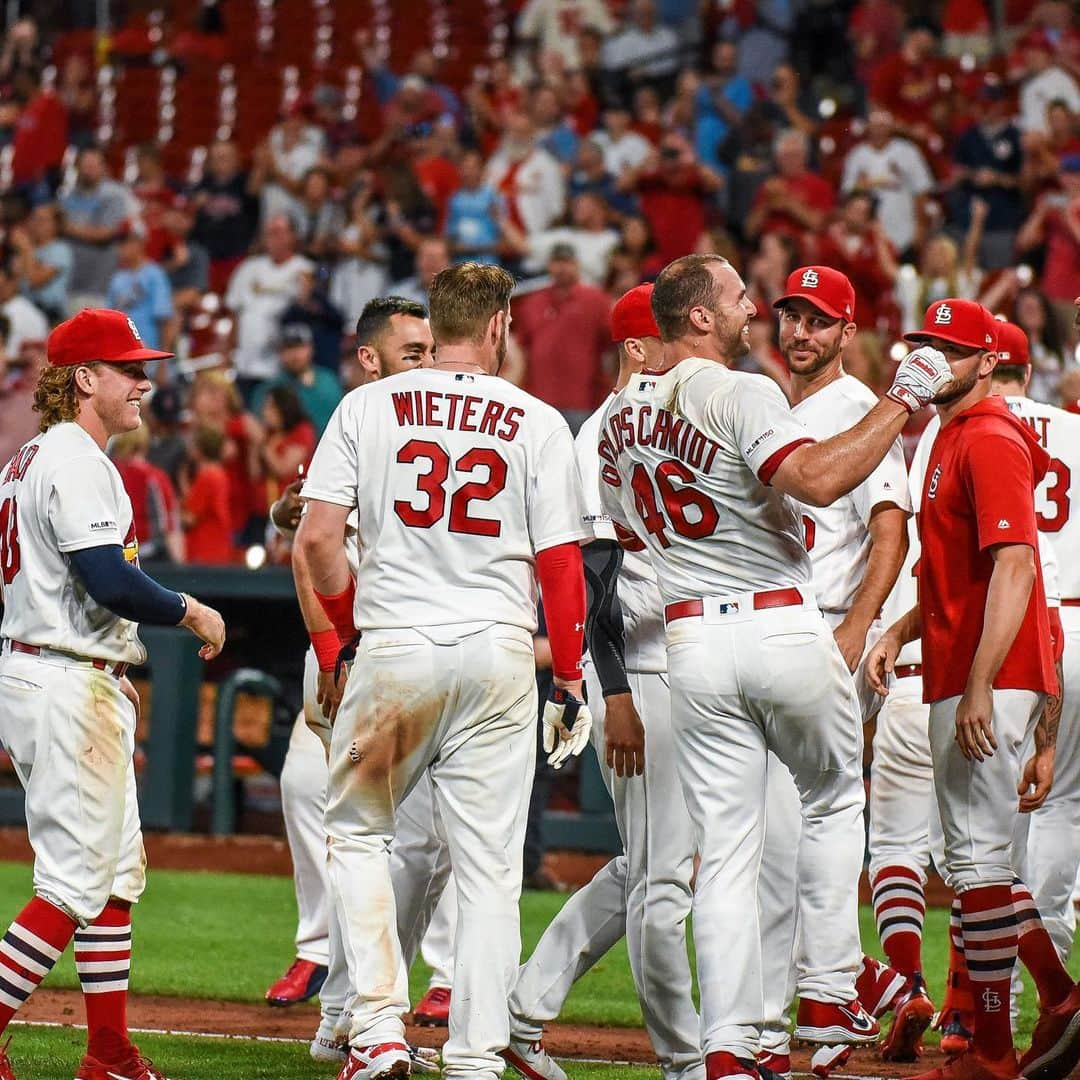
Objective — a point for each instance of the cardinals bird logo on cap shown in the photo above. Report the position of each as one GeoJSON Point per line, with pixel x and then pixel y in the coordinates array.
{"type": "Point", "coordinates": [810, 279]}
{"type": "Point", "coordinates": [943, 315]}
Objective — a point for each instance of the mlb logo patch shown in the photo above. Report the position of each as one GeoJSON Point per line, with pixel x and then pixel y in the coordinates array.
{"type": "Point", "coordinates": [810, 279]}
{"type": "Point", "coordinates": [943, 315]}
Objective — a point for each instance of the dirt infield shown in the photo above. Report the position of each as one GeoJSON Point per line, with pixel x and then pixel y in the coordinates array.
{"type": "Point", "coordinates": [179, 1015]}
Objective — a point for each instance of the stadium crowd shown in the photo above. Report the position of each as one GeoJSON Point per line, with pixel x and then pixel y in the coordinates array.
{"type": "Point", "coordinates": [923, 155]}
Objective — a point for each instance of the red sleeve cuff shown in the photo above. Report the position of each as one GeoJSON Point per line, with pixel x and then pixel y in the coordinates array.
{"type": "Point", "coordinates": [561, 573]}
{"type": "Point", "coordinates": [768, 470]}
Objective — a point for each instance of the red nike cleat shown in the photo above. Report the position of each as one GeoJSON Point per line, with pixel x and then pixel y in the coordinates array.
{"type": "Point", "coordinates": [720, 1063]}
{"type": "Point", "coordinates": [912, 1015]}
{"type": "Point", "coordinates": [1055, 1042]}
{"type": "Point", "coordinates": [387, 1060]}
{"type": "Point", "coordinates": [303, 980]}
{"type": "Point", "coordinates": [879, 986]}
{"type": "Point", "coordinates": [829, 1023]}
{"type": "Point", "coordinates": [956, 1032]}
{"type": "Point", "coordinates": [969, 1066]}
{"type": "Point", "coordinates": [778, 1064]}
{"type": "Point", "coordinates": [433, 1009]}
{"type": "Point", "coordinates": [132, 1067]}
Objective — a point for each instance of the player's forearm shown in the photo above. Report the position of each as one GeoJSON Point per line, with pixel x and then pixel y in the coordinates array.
{"type": "Point", "coordinates": [908, 627]}
{"type": "Point", "coordinates": [315, 619]}
{"type": "Point", "coordinates": [562, 584]}
{"type": "Point", "coordinates": [820, 473]}
{"type": "Point", "coordinates": [1046, 730]}
{"type": "Point", "coordinates": [604, 624]}
{"type": "Point", "coordinates": [1006, 603]}
{"type": "Point", "coordinates": [888, 549]}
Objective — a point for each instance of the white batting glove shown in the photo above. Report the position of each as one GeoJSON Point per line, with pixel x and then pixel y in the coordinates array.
{"type": "Point", "coordinates": [567, 723]}
{"type": "Point", "coordinates": [921, 374]}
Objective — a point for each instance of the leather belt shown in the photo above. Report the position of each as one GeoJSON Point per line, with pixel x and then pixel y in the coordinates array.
{"type": "Point", "coordinates": [1073, 601]}
{"type": "Point", "coordinates": [770, 598]}
{"type": "Point", "coordinates": [904, 671]}
{"type": "Point", "coordinates": [116, 670]}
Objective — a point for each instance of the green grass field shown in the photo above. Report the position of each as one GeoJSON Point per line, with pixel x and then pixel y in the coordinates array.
{"type": "Point", "coordinates": [227, 936]}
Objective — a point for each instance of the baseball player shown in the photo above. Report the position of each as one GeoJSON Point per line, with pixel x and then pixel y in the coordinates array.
{"type": "Point", "coordinates": [393, 335]}
{"type": "Point", "coordinates": [987, 667]}
{"type": "Point", "coordinates": [697, 461]}
{"type": "Point", "coordinates": [856, 547]}
{"type": "Point", "coordinates": [466, 495]}
{"type": "Point", "coordinates": [73, 595]}
{"type": "Point", "coordinates": [644, 892]}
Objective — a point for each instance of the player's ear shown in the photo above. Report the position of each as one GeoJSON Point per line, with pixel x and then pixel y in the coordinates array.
{"type": "Point", "coordinates": [84, 379]}
{"type": "Point", "coordinates": [366, 358]}
{"type": "Point", "coordinates": [850, 330]}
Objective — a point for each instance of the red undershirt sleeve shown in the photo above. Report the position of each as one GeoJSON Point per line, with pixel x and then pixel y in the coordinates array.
{"type": "Point", "coordinates": [561, 573]}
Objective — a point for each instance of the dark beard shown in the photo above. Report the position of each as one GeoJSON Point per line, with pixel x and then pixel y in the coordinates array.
{"type": "Point", "coordinates": [955, 390]}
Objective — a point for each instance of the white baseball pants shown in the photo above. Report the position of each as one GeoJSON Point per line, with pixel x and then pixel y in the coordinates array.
{"type": "Point", "coordinates": [74, 724]}
{"type": "Point", "coordinates": [461, 701]}
{"type": "Point", "coordinates": [745, 682]}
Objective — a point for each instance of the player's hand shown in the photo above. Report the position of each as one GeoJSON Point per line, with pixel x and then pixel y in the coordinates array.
{"type": "Point", "coordinates": [329, 691]}
{"type": "Point", "coordinates": [567, 723]}
{"type": "Point", "coordinates": [921, 374]}
{"type": "Point", "coordinates": [880, 661]}
{"type": "Point", "coordinates": [1036, 780]}
{"type": "Point", "coordinates": [624, 736]}
{"type": "Point", "coordinates": [285, 513]}
{"type": "Point", "coordinates": [851, 640]}
{"type": "Point", "coordinates": [205, 623]}
{"type": "Point", "coordinates": [974, 723]}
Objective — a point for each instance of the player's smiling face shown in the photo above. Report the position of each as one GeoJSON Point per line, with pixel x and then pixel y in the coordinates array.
{"type": "Point", "coordinates": [809, 339]}
{"type": "Point", "coordinates": [407, 344]}
{"type": "Point", "coordinates": [118, 394]}
{"type": "Point", "coordinates": [968, 367]}
{"type": "Point", "coordinates": [733, 312]}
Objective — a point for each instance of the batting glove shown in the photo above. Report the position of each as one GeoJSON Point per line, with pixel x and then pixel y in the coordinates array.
{"type": "Point", "coordinates": [567, 723]}
{"type": "Point", "coordinates": [921, 374]}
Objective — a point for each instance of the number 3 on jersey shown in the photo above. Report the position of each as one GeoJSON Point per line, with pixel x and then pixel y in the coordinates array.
{"type": "Point", "coordinates": [432, 485]}
{"type": "Point", "coordinates": [9, 541]}
{"type": "Point", "coordinates": [675, 500]}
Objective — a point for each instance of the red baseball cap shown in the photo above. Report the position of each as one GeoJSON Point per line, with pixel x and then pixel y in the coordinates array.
{"type": "Point", "coordinates": [1012, 345]}
{"type": "Point", "coordinates": [632, 315]}
{"type": "Point", "coordinates": [827, 289]}
{"type": "Point", "coordinates": [98, 334]}
{"type": "Point", "coordinates": [962, 322]}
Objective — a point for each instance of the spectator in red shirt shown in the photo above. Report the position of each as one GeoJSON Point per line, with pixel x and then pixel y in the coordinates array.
{"type": "Point", "coordinates": [856, 245]}
{"type": "Point", "coordinates": [673, 187]}
{"type": "Point", "coordinates": [289, 441]}
{"type": "Point", "coordinates": [438, 176]}
{"type": "Point", "coordinates": [1055, 223]}
{"type": "Point", "coordinates": [566, 334]}
{"type": "Point", "coordinates": [794, 201]}
{"type": "Point", "coordinates": [41, 135]}
{"type": "Point", "coordinates": [987, 669]}
{"type": "Point", "coordinates": [908, 82]}
{"type": "Point", "coordinates": [205, 512]}
{"type": "Point", "coordinates": [154, 506]}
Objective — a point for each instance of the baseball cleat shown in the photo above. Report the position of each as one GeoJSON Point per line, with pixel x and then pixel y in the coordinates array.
{"type": "Point", "coordinates": [7, 1070]}
{"type": "Point", "coordinates": [386, 1061]}
{"type": "Point", "coordinates": [423, 1059]}
{"type": "Point", "coordinates": [327, 1048]}
{"type": "Point", "coordinates": [879, 986]}
{"type": "Point", "coordinates": [969, 1066]}
{"type": "Point", "coordinates": [1055, 1042]}
{"type": "Point", "coordinates": [532, 1061]}
{"type": "Point", "coordinates": [433, 1009]}
{"type": "Point", "coordinates": [132, 1067]}
{"type": "Point", "coordinates": [721, 1063]}
{"type": "Point", "coordinates": [827, 1022]}
{"type": "Point", "coordinates": [912, 1016]}
{"type": "Point", "coordinates": [956, 1032]}
{"type": "Point", "coordinates": [302, 981]}
{"type": "Point", "coordinates": [777, 1064]}
{"type": "Point", "coordinates": [827, 1058]}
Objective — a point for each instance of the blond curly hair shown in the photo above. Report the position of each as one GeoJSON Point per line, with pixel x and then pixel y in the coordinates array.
{"type": "Point", "coordinates": [55, 396]}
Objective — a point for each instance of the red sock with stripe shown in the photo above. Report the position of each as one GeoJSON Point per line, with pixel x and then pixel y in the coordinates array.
{"type": "Point", "coordinates": [103, 961]}
{"type": "Point", "coordinates": [989, 929]}
{"type": "Point", "coordinates": [957, 985]}
{"type": "Point", "coordinates": [899, 910]}
{"type": "Point", "coordinates": [1037, 952]}
{"type": "Point", "coordinates": [32, 944]}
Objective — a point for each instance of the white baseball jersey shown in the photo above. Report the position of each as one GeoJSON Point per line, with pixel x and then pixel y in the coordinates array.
{"type": "Point", "coordinates": [645, 648]}
{"type": "Point", "coordinates": [686, 459]}
{"type": "Point", "coordinates": [837, 536]}
{"type": "Point", "coordinates": [1058, 494]}
{"type": "Point", "coordinates": [61, 493]}
{"type": "Point", "coordinates": [458, 479]}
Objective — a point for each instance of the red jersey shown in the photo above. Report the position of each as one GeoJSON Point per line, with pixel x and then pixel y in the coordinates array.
{"type": "Point", "coordinates": [909, 91]}
{"type": "Point", "coordinates": [41, 137]}
{"type": "Point", "coordinates": [209, 537]}
{"type": "Point", "coordinates": [980, 492]}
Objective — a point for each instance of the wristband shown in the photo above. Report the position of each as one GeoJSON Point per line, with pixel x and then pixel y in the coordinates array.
{"type": "Point", "coordinates": [326, 644]}
{"type": "Point", "coordinates": [339, 610]}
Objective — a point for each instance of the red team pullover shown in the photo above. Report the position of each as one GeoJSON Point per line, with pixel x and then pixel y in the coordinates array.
{"type": "Point", "coordinates": [980, 492]}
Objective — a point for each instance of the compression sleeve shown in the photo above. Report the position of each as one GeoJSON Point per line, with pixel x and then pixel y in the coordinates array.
{"type": "Point", "coordinates": [124, 589]}
{"type": "Point", "coordinates": [604, 625]}
{"type": "Point", "coordinates": [562, 582]}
